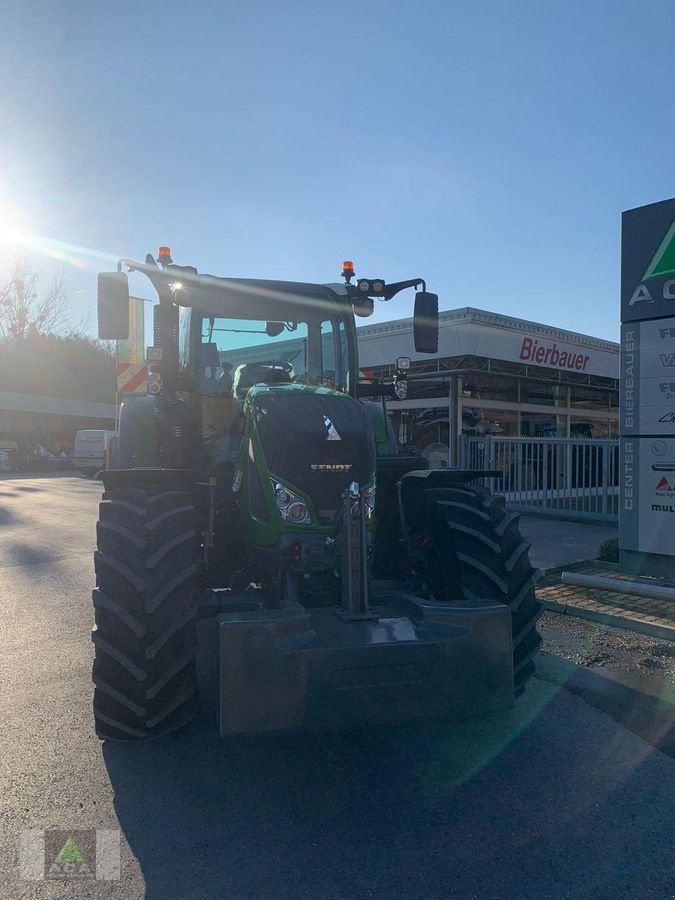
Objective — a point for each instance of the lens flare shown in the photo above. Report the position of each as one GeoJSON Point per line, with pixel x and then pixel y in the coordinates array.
{"type": "Point", "coordinates": [18, 235]}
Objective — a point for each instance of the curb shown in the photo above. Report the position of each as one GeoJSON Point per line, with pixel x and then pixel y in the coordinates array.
{"type": "Point", "coordinates": [650, 629]}
{"type": "Point", "coordinates": [558, 570]}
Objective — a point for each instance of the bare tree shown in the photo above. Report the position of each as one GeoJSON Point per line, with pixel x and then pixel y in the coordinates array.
{"type": "Point", "coordinates": [29, 305]}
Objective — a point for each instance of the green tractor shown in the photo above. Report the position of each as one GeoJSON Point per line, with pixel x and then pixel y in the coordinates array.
{"type": "Point", "coordinates": [258, 505]}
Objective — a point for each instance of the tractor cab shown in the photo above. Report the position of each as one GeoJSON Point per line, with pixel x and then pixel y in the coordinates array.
{"type": "Point", "coordinates": [253, 389]}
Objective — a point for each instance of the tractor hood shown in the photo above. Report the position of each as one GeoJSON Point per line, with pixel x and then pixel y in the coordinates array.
{"type": "Point", "coordinates": [314, 439]}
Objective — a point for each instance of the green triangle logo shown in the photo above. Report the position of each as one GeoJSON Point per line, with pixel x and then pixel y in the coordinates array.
{"type": "Point", "coordinates": [663, 261]}
{"type": "Point", "coordinates": [70, 853]}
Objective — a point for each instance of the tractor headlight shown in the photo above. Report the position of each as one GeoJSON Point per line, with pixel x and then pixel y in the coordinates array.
{"type": "Point", "coordinates": [291, 507]}
{"type": "Point", "coordinates": [369, 498]}
{"type": "Point", "coordinates": [282, 496]}
{"type": "Point", "coordinates": [297, 513]}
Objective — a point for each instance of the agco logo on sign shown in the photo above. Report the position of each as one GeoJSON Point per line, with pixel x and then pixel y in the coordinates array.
{"type": "Point", "coordinates": [648, 270]}
{"type": "Point", "coordinates": [662, 264]}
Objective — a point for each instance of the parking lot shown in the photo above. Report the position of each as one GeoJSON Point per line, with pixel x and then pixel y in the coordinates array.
{"type": "Point", "coordinates": [557, 798]}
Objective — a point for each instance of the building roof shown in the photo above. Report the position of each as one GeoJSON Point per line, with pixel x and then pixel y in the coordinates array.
{"type": "Point", "coordinates": [470, 315]}
{"type": "Point", "coordinates": [32, 403]}
{"type": "Point", "coordinates": [479, 334]}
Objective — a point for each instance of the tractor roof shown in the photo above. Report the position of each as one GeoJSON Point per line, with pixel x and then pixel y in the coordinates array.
{"type": "Point", "coordinates": [259, 298]}
{"type": "Point", "coordinates": [244, 297]}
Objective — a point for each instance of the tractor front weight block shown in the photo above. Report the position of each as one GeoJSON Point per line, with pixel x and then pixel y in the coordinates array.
{"type": "Point", "coordinates": [299, 669]}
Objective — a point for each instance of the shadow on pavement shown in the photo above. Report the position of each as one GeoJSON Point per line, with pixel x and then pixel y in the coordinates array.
{"type": "Point", "coordinates": [25, 555]}
{"type": "Point", "coordinates": [6, 516]}
{"type": "Point", "coordinates": [399, 812]}
{"type": "Point", "coordinates": [282, 816]}
{"type": "Point", "coordinates": [643, 705]}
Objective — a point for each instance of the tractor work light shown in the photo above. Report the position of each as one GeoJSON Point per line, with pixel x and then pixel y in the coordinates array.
{"type": "Point", "coordinates": [154, 383]}
{"type": "Point", "coordinates": [402, 363]}
{"type": "Point", "coordinates": [371, 287]}
{"type": "Point", "coordinates": [153, 354]}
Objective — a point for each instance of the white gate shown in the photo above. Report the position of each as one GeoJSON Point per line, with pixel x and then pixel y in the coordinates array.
{"type": "Point", "coordinates": [571, 478]}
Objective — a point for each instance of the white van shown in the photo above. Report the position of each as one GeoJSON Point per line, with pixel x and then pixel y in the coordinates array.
{"type": "Point", "coordinates": [91, 450]}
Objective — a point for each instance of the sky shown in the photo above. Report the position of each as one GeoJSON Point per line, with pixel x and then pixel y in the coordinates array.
{"type": "Point", "coordinates": [488, 147]}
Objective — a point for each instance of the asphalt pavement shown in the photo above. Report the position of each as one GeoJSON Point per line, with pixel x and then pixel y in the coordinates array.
{"type": "Point", "coordinates": [556, 798]}
{"type": "Point", "coordinates": [557, 542]}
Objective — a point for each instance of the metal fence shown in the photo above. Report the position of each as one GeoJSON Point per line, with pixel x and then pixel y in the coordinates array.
{"type": "Point", "coordinates": [571, 478]}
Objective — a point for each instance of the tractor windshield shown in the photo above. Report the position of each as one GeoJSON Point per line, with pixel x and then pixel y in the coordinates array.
{"type": "Point", "coordinates": [234, 354]}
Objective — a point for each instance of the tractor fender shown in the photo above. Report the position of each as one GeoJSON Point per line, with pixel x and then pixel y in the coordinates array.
{"type": "Point", "coordinates": [385, 440]}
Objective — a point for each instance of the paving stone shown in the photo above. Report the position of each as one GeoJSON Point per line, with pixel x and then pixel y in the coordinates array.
{"type": "Point", "coordinates": [647, 613]}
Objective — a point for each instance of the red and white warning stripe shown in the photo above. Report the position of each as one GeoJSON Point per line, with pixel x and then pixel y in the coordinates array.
{"type": "Point", "coordinates": [132, 378]}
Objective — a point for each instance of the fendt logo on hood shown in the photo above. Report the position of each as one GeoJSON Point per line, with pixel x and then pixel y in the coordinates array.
{"type": "Point", "coordinates": [331, 430]}
{"type": "Point", "coordinates": [661, 265]}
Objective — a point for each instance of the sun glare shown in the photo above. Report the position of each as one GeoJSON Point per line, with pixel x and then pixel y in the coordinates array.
{"type": "Point", "coordinates": [15, 228]}
{"type": "Point", "coordinates": [19, 236]}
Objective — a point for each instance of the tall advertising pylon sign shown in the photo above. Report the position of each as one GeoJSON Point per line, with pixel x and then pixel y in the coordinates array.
{"type": "Point", "coordinates": [647, 507]}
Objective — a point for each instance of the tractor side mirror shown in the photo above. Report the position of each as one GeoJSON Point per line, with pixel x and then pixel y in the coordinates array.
{"type": "Point", "coordinates": [113, 306]}
{"type": "Point", "coordinates": [425, 322]}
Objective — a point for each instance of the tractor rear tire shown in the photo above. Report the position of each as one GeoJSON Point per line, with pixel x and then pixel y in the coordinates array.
{"type": "Point", "coordinates": [470, 547]}
{"type": "Point", "coordinates": [145, 612]}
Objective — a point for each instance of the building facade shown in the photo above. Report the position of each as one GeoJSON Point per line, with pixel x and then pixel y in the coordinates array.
{"type": "Point", "coordinates": [497, 375]}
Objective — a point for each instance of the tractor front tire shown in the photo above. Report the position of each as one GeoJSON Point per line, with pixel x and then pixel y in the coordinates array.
{"type": "Point", "coordinates": [470, 547]}
{"type": "Point", "coordinates": [145, 613]}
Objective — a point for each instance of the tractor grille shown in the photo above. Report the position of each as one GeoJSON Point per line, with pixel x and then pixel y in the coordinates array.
{"type": "Point", "coordinates": [317, 442]}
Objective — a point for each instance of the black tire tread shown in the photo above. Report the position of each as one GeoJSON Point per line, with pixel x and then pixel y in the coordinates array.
{"type": "Point", "coordinates": [475, 548]}
{"type": "Point", "coordinates": [144, 673]}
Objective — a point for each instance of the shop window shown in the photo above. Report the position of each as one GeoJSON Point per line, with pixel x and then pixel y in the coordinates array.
{"type": "Point", "coordinates": [589, 428]}
{"type": "Point", "coordinates": [543, 393]}
{"type": "Point", "coordinates": [589, 398]}
{"type": "Point", "coordinates": [477, 421]}
{"type": "Point", "coordinates": [541, 425]}
{"type": "Point", "coordinates": [484, 386]}
{"type": "Point", "coordinates": [422, 390]}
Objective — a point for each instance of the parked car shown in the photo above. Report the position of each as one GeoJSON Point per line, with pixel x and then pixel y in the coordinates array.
{"type": "Point", "coordinates": [91, 450]}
